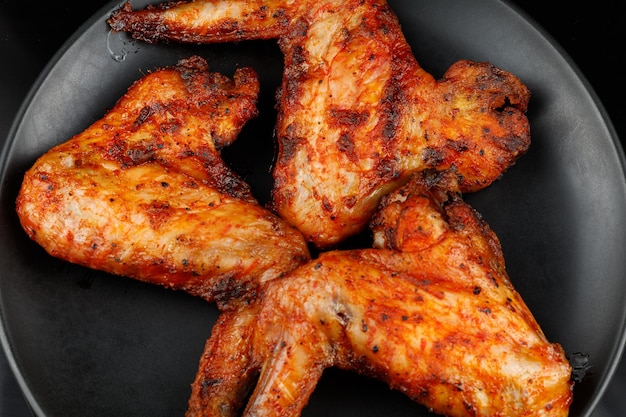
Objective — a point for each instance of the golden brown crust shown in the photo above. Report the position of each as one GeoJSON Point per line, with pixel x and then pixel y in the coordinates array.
{"type": "Point", "coordinates": [357, 114]}
{"type": "Point", "coordinates": [233, 22]}
{"type": "Point", "coordinates": [430, 310]}
{"type": "Point", "coordinates": [432, 313]}
{"type": "Point", "coordinates": [144, 193]}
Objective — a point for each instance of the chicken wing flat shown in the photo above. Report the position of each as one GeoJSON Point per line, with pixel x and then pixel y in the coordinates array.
{"type": "Point", "coordinates": [144, 193]}
{"type": "Point", "coordinates": [357, 115]}
{"type": "Point", "coordinates": [430, 310]}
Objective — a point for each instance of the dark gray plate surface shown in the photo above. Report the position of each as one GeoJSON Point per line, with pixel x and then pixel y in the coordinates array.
{"type": "Point", "coordinates": [86, 343]}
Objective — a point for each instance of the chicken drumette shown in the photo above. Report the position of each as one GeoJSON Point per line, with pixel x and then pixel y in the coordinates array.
{"type": "Point", "coordinates": [357, 114]}
{"type": "Point", "coordinates": [144, 193]}
{"type": "Point", "coordinates": [430, 310]}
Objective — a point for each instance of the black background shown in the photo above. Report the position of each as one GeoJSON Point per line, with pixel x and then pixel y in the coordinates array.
{"type": "Point", "coordinates": [591, 33]}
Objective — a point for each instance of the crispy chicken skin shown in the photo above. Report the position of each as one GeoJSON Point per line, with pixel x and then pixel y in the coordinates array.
{"type": "Point", "coordinates": [357, 114]}
{"type": "Point", "coordinates": [430, 310]}
{"type": "Point", "coordinates": [144, 193]}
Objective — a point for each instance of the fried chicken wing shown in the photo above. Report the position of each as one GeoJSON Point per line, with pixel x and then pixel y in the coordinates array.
{"type": "Point", "coordinates": [144, 193]}
{"type": "Point", "coordinates": [206, 21]}
{"type": "Point", "coordinates": [357, 114]}
{"type": "Point", "coordinates": [430, 310]}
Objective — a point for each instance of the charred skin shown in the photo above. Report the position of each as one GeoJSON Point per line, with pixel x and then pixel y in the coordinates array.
{"type": "Point", "coordinates": [430, 311]}
{"type": "Point", "coordinates": [144, 193]}
{"type": "Point", "coordinates": [204, 21]}
{"type": "Point", "coordinates": [357, 115]}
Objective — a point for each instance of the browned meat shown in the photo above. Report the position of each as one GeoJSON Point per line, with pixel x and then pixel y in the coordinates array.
{"type": "Point", "coordinates": [430, 310]}
{"type": "Point", "coordinates": [357, 114]}
{"type": "Point", "coordinates": [143, 192]}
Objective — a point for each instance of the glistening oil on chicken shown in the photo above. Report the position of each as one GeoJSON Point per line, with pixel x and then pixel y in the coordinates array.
{"type": "Point", "coordinates": [357, 115]}
{"type": "Point", "coordinates": [365, 136]}
{"type": "Point", "coordinates": [429, 310]}
{"type": "Point", "coordinates": [144, 193]}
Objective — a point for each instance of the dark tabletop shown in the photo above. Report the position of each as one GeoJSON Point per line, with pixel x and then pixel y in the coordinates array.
{"type": "Point", "coordinates": [593, 34]}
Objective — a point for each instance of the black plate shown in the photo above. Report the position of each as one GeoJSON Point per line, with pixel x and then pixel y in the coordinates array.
{"type": "Point", "coordinates": [86, 343]}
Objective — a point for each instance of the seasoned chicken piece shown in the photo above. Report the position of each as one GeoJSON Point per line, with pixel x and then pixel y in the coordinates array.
{"type": "Point", "coordinates": [357, 114]}
{"type": "Point", "coordinates": [144, 193]}
{"type": "Point", "coordinates": [430, 311]}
